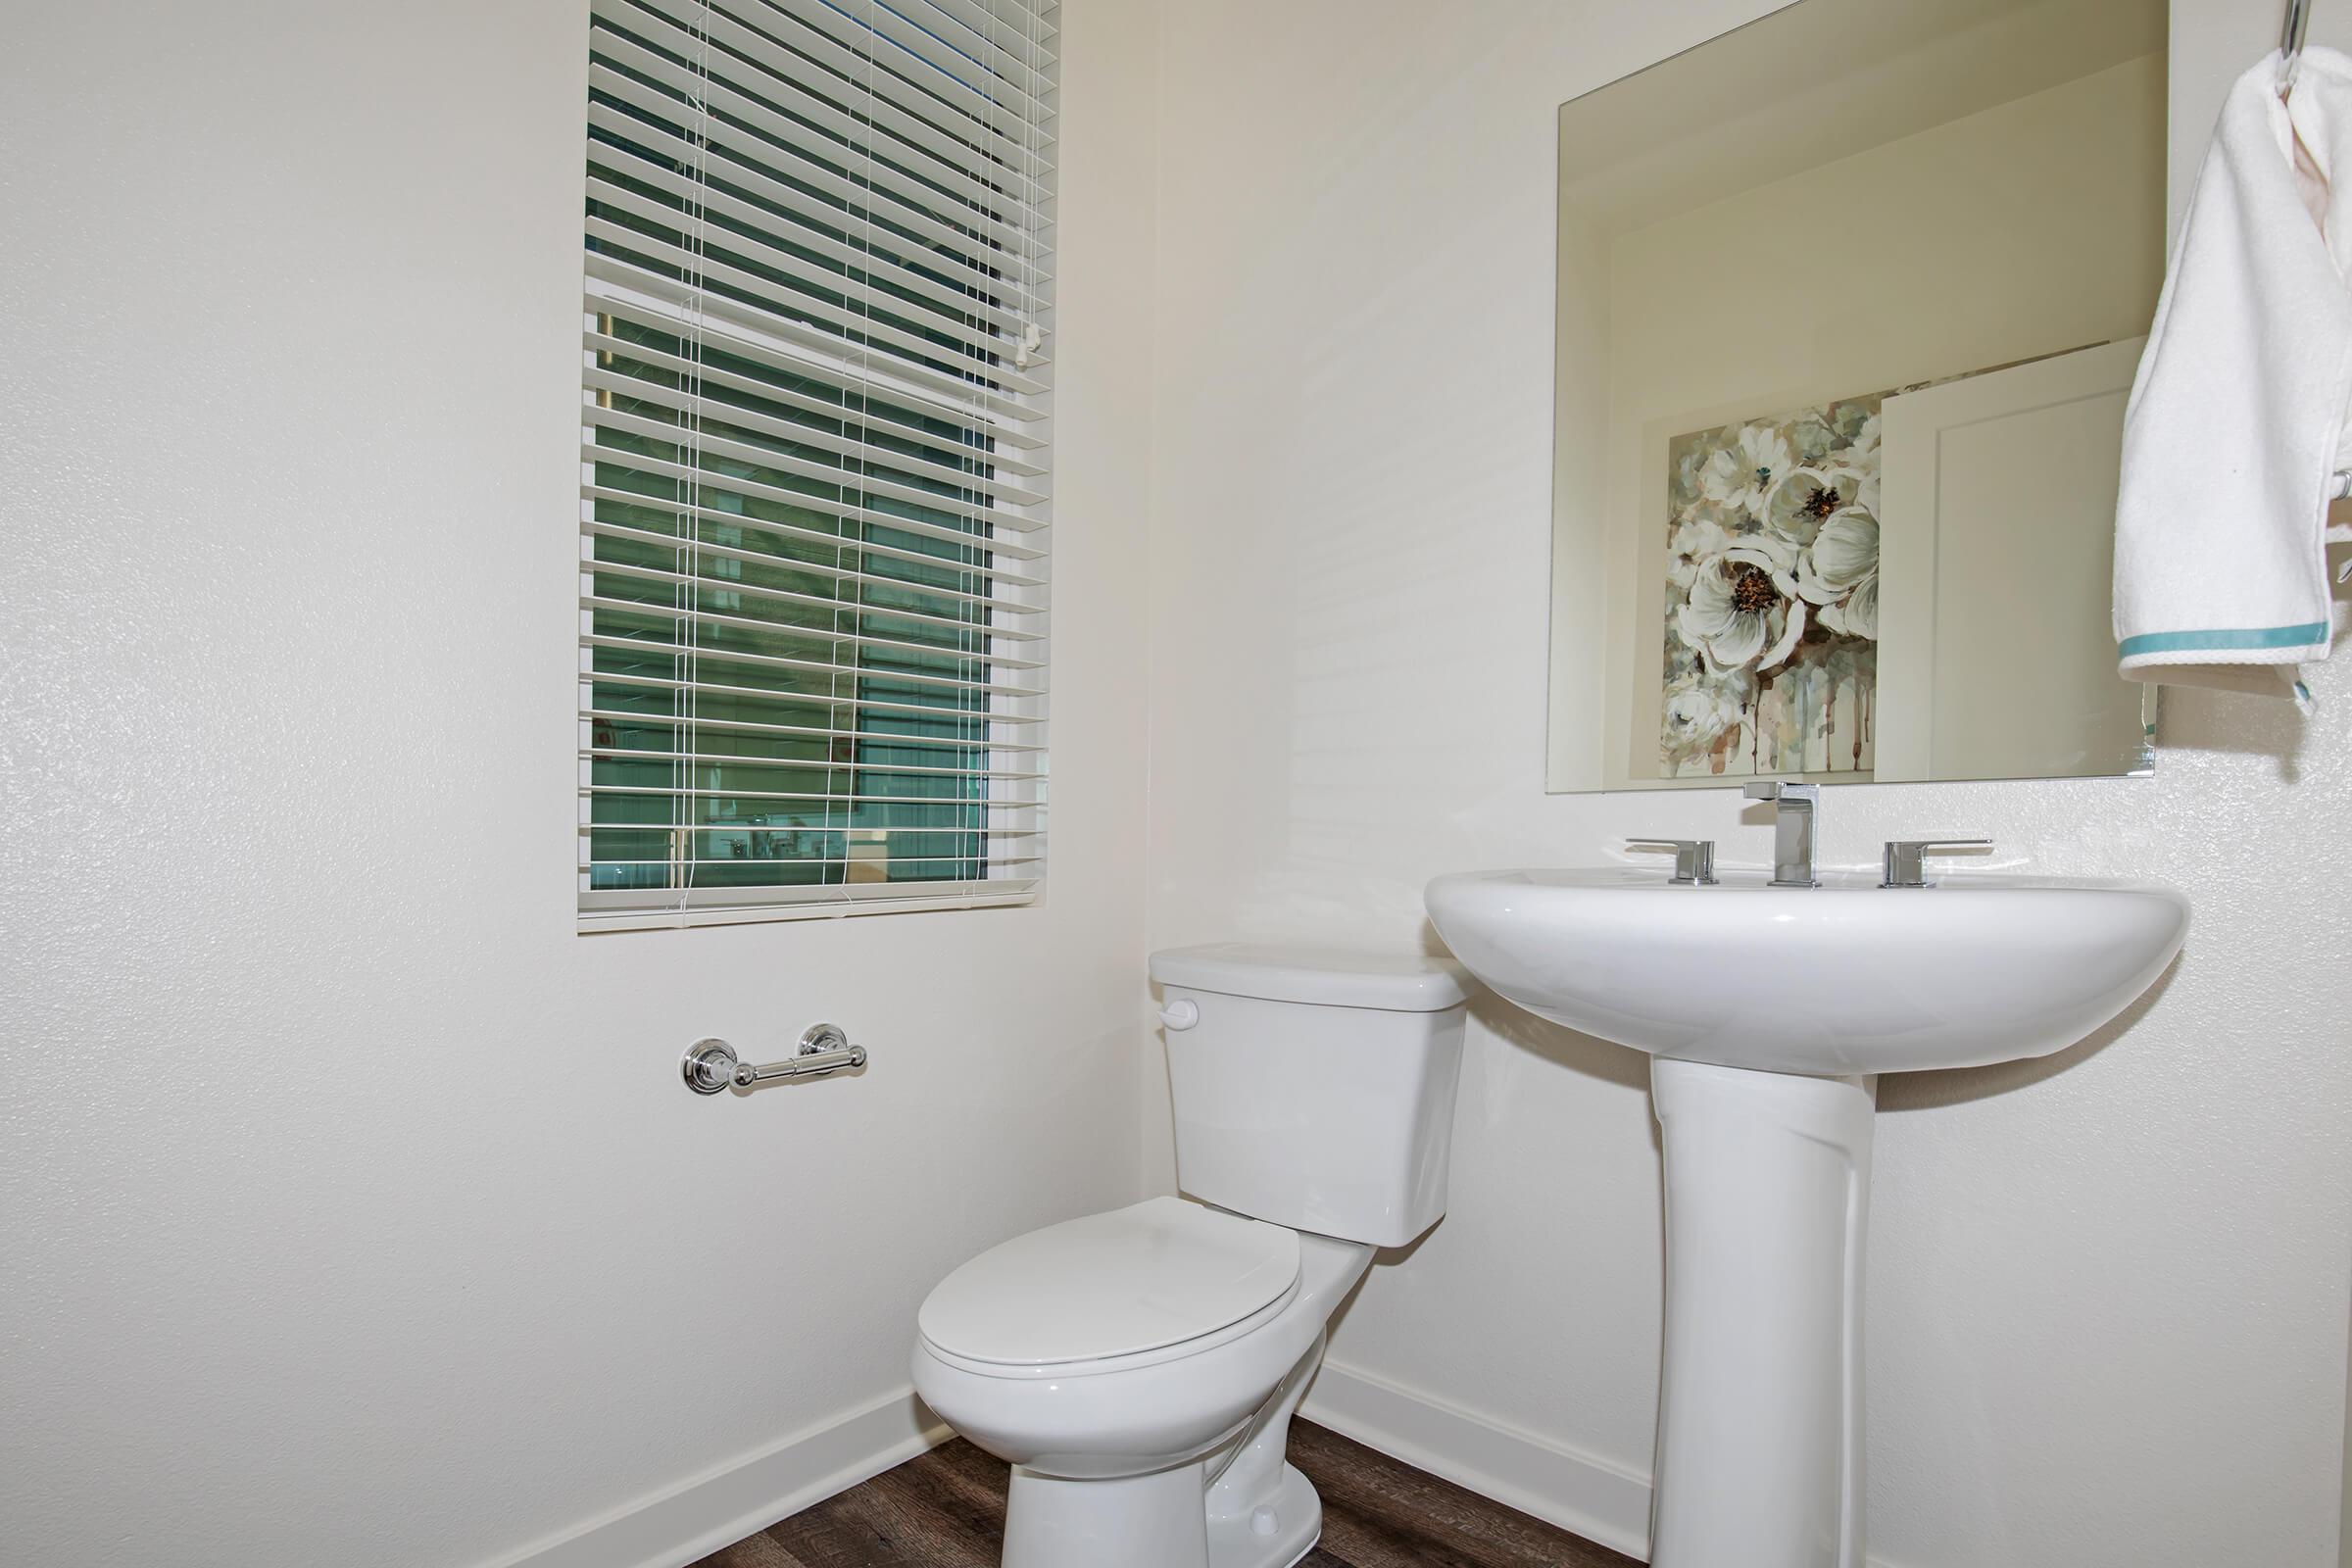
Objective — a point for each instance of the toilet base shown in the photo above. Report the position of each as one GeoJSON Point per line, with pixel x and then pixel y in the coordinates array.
{"type": "Point", "coordinates": [1155, 1521]}
{"type": "Point", "coordinates": [1234, 1541]}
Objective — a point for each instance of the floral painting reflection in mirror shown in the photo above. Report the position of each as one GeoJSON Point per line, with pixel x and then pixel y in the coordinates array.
{"type": "Point", "coordinates": [1772, 595]}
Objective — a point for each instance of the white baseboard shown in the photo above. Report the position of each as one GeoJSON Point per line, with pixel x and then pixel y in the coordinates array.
{"type": "Point", "coordinates": [1591, 1498]}
{"type": "Point", "coordinates": [1586, 1495]}
{"type": "Point", "coordinates": [744, 1496]}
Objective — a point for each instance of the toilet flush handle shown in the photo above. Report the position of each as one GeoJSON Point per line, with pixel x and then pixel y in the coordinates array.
{"type": "Point", "coordinates": [1182, 1014]}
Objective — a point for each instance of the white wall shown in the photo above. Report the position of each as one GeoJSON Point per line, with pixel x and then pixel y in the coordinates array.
{"type": "Point", "coordinates": [2108, 1290]}
{"type": "Point", "coordinates": [351, 1208]}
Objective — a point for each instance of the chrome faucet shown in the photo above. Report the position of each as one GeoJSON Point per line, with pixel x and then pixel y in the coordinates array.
{"type": "Point", "coordinates": [1792, 838]}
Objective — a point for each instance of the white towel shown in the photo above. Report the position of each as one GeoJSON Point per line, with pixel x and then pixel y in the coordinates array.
{"type": "Point", "coordinates": [2237, 425]}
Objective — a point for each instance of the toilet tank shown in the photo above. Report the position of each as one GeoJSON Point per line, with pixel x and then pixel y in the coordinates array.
{"type": "Point", "coordinates": [1313, 1089]}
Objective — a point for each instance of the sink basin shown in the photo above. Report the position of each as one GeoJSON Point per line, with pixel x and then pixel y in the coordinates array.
{"type": "Point", "coordinates": [1768, 1013]}
{"type": "Point", "coordinates": [1846, 978]}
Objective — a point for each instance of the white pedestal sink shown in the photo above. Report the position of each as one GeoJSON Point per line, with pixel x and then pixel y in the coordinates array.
{"type": "Point", "coordinates": [1768, 1013]}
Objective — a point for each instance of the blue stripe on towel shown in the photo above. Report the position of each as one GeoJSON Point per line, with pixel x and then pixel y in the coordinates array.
{"type": "Point", "coordinates": [2178, 642]}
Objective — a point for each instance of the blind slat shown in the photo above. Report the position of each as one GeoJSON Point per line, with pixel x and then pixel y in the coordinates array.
{"type": "Point", "coordinates": [938, 453]}
{"type": "Point", "coordinates": [982, 601]}
{"type": "Point", "coordinates": [792, 363]}
{"type": "Point", "coordinates": [703, 482]}
{"type": "Point", "coordinates": [787, 48]}
{"type": "Point", "coordinates": [604, 912]}
{"type": "Point", "coordinates": [980, 404]}
{"type": "Point", "coordinates": [842, 219]}
{"type": "Point", "coordinates": [777, 629]}
{"type": "Point", "coordinates": [943, 177]}
{"type": "Point", "coordinates": [839, 607]}
{"type": "Point", "coordinates": [784, 46]}
{"type": "Point", "coordinates": [749, 727]}
{"type": "Point", "coordinates": [971, 31]}
{"type": "Point", "coordinates": [713, 408]}
{"type": "Point", "coordinates": [755, 693]}
{"type": "Point", "coordinates": [922, 283]}
{"type": "Point", "coordinates": [1027, 39]}
{"type": "Point", "coordinates": [847, 544]}
{"type": "Point", "coordinates": [857, 297]}
{"type": "Point", "coordinates": [833, 214]}
{"type": "Point", "coordinates": [1004, 807]}
{"type": "Point", "coordinates": [921, 360]}
{"type": "Point", "coordinates": [724, 825]}
{"type": "Point", "coordinates": [724, 656]}
{"type": "Point", "coordinates": [777, 460]}
{"type": "Point", "coordinates": [871, 414]}
{"type": "Point", "coordinates": [884, 709]}
{"type": "Point", "coordinates": [866, 769]}
{"type": "Point", "coordinates": [905, 50]}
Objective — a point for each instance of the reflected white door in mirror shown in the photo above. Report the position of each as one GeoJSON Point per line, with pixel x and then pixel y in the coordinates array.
{"type": "Point", "coordinates": [1769, 1011]}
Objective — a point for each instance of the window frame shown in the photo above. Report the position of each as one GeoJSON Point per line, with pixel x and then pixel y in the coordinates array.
{"type": "Point", "coordinates": [1012, 746]}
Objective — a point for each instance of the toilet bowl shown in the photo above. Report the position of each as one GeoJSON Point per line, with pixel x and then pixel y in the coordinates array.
{"type": "Point", "coordinates": [1191, 1429]}
{"type": "Point", "coordinates": [1139, 1369]}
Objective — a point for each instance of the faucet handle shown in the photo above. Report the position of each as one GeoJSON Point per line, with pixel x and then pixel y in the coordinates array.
{"type": "Point", "coordinates": [1906, 859]}
{"type": "Point", "coordinates": [1693, 859]}
{"type": "Point", "coordinates": [1772, 789]}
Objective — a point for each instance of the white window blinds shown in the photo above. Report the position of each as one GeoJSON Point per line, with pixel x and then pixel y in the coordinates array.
{"type": "Point", "coordinates": [814, 457]}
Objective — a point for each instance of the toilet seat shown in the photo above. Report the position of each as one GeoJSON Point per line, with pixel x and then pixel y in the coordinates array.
{"type": "Point", "coordinates": [1114, 1286]}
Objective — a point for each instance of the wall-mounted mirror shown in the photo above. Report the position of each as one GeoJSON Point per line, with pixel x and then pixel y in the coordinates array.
{"type": "Point", "coordinates": [1850, 301]}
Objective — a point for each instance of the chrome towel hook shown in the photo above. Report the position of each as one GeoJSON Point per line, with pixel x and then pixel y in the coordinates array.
{"type": "Point", "coordinates": [711, 1065]}
{"type": "Point", "coordinates": [2290, 41]}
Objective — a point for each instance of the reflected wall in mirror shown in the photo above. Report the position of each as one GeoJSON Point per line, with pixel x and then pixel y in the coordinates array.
{"type": "Point", "coordinates": [1851, 302]}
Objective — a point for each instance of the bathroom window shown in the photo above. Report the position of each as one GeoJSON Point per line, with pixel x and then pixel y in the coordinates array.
{"type": "Point", "coordinates": [813, 507]}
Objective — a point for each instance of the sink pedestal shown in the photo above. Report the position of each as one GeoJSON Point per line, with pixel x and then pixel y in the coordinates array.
{"type": "Point", "coordinates": [1759, 1460]}
{"type": "Point", "coordinates": [1768, 1011]}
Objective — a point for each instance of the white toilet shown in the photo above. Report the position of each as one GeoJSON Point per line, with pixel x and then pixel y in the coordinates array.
{"type": "Point", "coordinates": [1139, 1369]}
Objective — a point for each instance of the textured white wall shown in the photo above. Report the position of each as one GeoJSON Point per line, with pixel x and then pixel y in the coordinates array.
{"type": "Point", "coordinates": [351, 1208]}
{"type": "Point", "coordinates": [2108, 1290]}
{"type": "Point", "coordinates": [342, 1187]}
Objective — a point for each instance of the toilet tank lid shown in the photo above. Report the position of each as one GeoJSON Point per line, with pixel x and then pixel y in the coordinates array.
{"type": "Point", "coordinates": [1332, 977]}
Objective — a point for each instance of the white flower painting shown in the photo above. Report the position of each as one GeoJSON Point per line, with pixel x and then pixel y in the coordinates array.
{"type": "Point", "coordinates": [1772, 595]}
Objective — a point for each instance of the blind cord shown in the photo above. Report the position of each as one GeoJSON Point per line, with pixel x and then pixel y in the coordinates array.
{"type": "Point", "coordinates": [863, 527]}
{"type": "Point", "coordinates": [687, 873]}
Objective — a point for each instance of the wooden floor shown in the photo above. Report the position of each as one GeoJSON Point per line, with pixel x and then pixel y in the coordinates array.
{"type": "Point", "coordinates": [947, 1510]}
